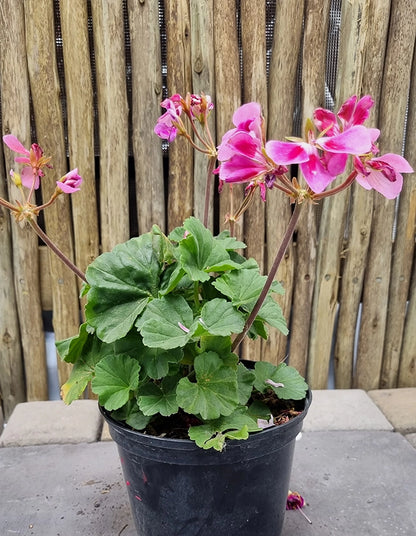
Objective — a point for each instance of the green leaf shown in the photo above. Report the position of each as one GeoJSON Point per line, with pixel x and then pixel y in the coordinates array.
{"type": "Point", "coordinates": [229, 242]}
{"type": "Point", "coordinates": [213, 434]}
{"type": "Point", "coordinates": [71, 349]}
{"type": "Point", "coordinates": [115, 377]}
{"type": "Point", "coordinates": [271, 313]}
{"type": "Point", "coordinates": [121, 284]}
{"type": "Point", "coordinates": [219, 317]}
{"type": "Point", "coordinates": [215, 391]}
{"type": "Point", "coordinates": [166, 323]}
{"type": "Point", "coordinates": [131, 414]}
{"type": "Point", "coordinates": [93, 351]}
{"type": "Point", "coordinates": [199, 251]}
{"type": "Point", "coordinates": [294, 386]}
{"type": "Point", "coordinates": [156, 361]}
{"type": "Point", "coordinates": [245, 380]}
{"type": "Point", "coordinates": [153, 398]}
{"type": "Point", "coordinates": [241, 286]}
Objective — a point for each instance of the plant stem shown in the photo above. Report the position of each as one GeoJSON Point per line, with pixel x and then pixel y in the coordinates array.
{"type": "Point", "coordinates": [43, 236]}
{"type": "Point", "coordinates": [278, 259]}
{"type": "Point", "coordinates": [210, 169]}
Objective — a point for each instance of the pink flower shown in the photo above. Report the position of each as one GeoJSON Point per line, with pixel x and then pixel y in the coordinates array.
{"type": "Point", "coordinates": [245, 157]}
{"type": "Point", "coordinates": [199, 106]}
{"type": "Point", "coordinates": [33, 161]}
{"type": "Point", "coordinates": [382, 173]}
{"type": "Point", "coordinates": [70, 183]}
{"type": "Point", "coordinates": [350, 114]}
{"type": "Point", "coordinates": [167, 124]}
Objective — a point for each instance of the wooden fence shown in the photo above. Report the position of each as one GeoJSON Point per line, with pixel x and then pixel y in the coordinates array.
{"type": "Point", "coordinates": [84, 78]}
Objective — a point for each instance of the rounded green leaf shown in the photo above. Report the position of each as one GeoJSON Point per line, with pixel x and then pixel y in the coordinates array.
{"type": "Point", "coordinates": [115, 377]}
{"type": "Point", "coordinates": [215, 391]}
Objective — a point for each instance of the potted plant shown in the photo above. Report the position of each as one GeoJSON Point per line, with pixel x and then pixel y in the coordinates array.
{"type": "Point", "coordinates": [205, 439]}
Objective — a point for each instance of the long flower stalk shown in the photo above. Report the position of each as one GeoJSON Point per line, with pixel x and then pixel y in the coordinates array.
{"type": "Point", "coordinates": [45, 238]}
{"type": "Point", "coordinates": [270, 278]}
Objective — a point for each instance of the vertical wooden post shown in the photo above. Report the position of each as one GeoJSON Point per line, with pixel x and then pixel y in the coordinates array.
{"type": "Point", "coordinates": [180, 187]}
{"type": "Point", "coordinates": [146, 80]}
{"type": "Point", "coordinates": [281, 107]}
{"type": "Point", "coordinates": [25, 254]}
{"type": "Point", "coordinates": [368, 23]}
{"type": "Point", "coordinates": [203, 81]}
{"type": "Point", "coordinates": [109, 48]}
{"type": "Point", "coordinates": [80, 113]}
{"type": "Point", "coordinates": [45, 91]}
{"type": "Point", "coordinates": [394, 97]}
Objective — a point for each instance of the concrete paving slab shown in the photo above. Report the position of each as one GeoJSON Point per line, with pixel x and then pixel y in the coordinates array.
{"type": "Point", "coordinates": [63, 490]}
{"type": "Point", "coordinates": [355, 483]}
{"type": "Point", "coordinates": [399, 406]}
{"type": "Point", "coordinates": [39, 423]}
{"type": "Point", "coordinates": [344, 409]}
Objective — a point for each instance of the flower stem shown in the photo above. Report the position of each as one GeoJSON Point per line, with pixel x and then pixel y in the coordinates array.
{"type": "Point", "coordinates": [210, 169]}
{"type": "Point", "coordinates": [43, 236]}
{"type": "Point", "coordinates": [278, 259]}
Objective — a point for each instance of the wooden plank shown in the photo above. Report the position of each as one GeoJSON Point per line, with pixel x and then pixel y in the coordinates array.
{"type": "Point", "coordinates": [281, 107]}
{"type": "Point", "coordinates": [393, 105]}
{"type": "Point", "coordinates": [406, 230]}
{"type": "Point", "coordinates": [313, 95]}
{"type": "Point", "coordinates": [403, 251]}
{"type": "Point", "coordinates": [45, 91]}
{"type": "Point", "coordinates": [203, 81]}
{"type": "Point", "coordinates": [180, 186]}
{"type": "Point", "coordinates": [227, 92]}
{"type": "Point", "coordinates": [12, 384]}
{"type": "Point", "coordinates": [376, 14]}
{"type": "Point", "coordinates": [253, 44]}
{"type": "Point", "coordinates": [80, 114]}
{"type": "Point", "coordinates": [16, 120]}
{"type": "Point", "coordinates": [109, 49]}
{"type": "Point", "coordinates": [146, 78]}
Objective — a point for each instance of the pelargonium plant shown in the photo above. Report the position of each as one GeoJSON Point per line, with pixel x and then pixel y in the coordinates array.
{"type": "Point", "coordinates": [165, 315]}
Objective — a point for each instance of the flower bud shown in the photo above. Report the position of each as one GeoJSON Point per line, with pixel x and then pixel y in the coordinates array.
{"type": "Point", "coordinates": [70, 183]}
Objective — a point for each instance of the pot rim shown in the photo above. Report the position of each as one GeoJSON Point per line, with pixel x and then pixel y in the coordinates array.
{"type": "Point", "coordinates": [187, 444]}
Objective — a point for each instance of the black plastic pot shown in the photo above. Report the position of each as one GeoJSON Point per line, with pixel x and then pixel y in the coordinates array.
{"type": "Point", "coordinates": [178, 489]}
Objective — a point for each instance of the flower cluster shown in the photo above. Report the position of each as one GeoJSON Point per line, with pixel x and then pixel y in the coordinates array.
{"type": "Point", "coordinates": [246, 157]}
{"type": "Point", "coordinates": [25, 210]}
{"type": "Point", "coordinates": [322, 156]}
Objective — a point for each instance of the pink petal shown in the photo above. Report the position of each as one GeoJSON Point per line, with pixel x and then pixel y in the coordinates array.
{"type": "Point", "coordinates": [240, 169]}
{"type": "Point", "coordinates": [396, 161]}
{"type": "Point", "coordinates": [325, 119]}
{"type": "Point", "coordinates": [246, 113]}
{"type": "Point", "coordinates": [27, 178]}
{"type": "Point", "coordinates": [286, 153]}
{"type": "Point", "coordinates": [376, 180]}
{"type": "Point", "coordinates": [315, 174]}
{"type": "Point", "coordinates": [22, 160]}
{"type": "Point", "coordinates": [335, 163]}
{"type": "Point", "coordinates": [355, 140]}
{"type": "Point", "coordinates": [359, 113]}
{"type": "Point", "coordinates": [347, 109]}
{"type": "Point", "coordinates": [14, 144]}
